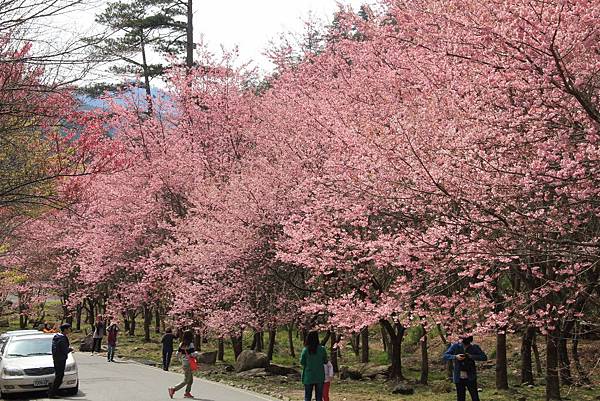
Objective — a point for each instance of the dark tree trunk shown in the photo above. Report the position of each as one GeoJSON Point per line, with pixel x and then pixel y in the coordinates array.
{"type": "Point", "coordinates": [526, 356]}
{"type": "Point", "coordinates": [198, 341]}
{"type": "Point", "coordinates": [126, 323]}
{"type": "Point", "coordinates": [78, 318]}
{"type": "Point", "coordinates": [552, 379]}
{"type": "Point", "coordinates": [384, 339]}
{"type": "Point", "coordinates": [355, 343]}
{"type": "Point", "coordinates": [257, 342]}
{"type": "Point", "coordinates": [449, 364]}
{"type": "Point", "coordinates": [291, 340]}
{"type": "Point", "coordinates": [271, 347]}
{"type": "Point", "coordinates": [536, 354]}
{"type": "Point", "coordinates": [396, 333]}
{"type": "Point", "coordinates": [189, 57]}
{"type": "Point", "coordinates": [221, 350]}
{"type": "Point", "coordinates": [364, 339]}
{"type": "Point", "coordinates": [236, 344]}
{"type": "Point", "coordinates": [581, 372]}
{"type": "Point", "coordinates": [157, 319]}
{"type": "Point", "coordinates": [333, 351]}
{"type": "Point", "coordinates": [147, 321]}
{"type": "Point", "coordinates": [564, 363]}
{"type": "Point", "coordinates": [326, 338]}
{"type": "Point", "coordinates": [501, 362]}
{"type": "Point", "coordinates": [424, 358]}
{"type": "Point", "coordinates": [131, 323]}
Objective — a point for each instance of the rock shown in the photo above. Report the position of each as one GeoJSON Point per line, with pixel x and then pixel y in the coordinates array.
{"type": "Point", "coordinates": [229, 368]}
{"type": "Point", "coordinates": [258, 372]}
{"type": "Point", "coordinates": [441, 387]}
{"type": "Point", "coordinates": [4, 323]}
{"type": "Point", "coordinates": [403, 389]}
{"type": "Point", "coordinates": [281, 370]}
{"type": "Point", "coordinates": [374, 371]}
{"type": "Point", "coordinates": [85, 345]}
{"type": "Point", "coordinates": [249, 359]}
{"type": "Point", "coordinates": [207, 358]}
{"type": "Point", "coordinates": [348, 373]}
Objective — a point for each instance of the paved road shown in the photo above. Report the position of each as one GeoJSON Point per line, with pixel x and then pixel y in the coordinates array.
{"type": "Point", "coordinates": [129, 381]}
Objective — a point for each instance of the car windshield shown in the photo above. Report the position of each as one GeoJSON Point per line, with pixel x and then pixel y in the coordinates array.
{"type": "Point", "coordinates": [29, 347]}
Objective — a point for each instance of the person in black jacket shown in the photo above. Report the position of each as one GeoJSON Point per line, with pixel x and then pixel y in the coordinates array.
{"type": "Point", "coordinates": [167, 348]}
{"type": "Point", "coordinates": [60, 353]}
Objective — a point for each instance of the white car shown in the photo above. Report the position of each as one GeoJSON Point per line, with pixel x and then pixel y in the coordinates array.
{"type": "Point", "coordinates": [27, 365]}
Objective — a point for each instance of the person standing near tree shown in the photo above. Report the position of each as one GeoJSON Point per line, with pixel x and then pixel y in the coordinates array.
{"type": "Point", "coordinates": [464, 354]}
{"type": "Point", "coordinates": [313, 358]}
{"type": "Point", "coordinates": [60, 353]}
{"type": "Point", "coordinates": [111, 340]}
{"type": "Point", "coordinates": [99, 332]}
{"type": "Point", "coordinates": [167, 348]}
{"type": "Point", "coordinates": [329, 373]}
{"type": "Point", "coordinates": [187, 355]}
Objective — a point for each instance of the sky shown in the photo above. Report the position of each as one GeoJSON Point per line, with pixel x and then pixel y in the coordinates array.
{"type": "Point", "coordinates": [248, 24]}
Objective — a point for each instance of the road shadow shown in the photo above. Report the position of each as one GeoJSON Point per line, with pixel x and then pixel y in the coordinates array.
{"type": "Point", "coordinates": [43, 395]}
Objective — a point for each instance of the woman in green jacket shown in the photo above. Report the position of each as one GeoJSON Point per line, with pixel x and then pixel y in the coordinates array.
{"type": "Point", "coordinates": [312, 360]}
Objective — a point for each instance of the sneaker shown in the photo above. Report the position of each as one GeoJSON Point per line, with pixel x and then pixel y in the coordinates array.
{"type": "Point", "coordinates": [188, 395]}
{"type": "Point", "coordinates": [171, 391]}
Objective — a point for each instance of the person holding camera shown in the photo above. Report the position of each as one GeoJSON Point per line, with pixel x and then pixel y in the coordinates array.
{"type": "Point", "coordinates": [464, 354]}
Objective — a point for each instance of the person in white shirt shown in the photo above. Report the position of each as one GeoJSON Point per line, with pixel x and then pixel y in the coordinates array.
{"type": "Point", "coordinates": [328, 377]}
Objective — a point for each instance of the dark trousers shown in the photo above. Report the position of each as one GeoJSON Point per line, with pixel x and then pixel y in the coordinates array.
{"type": "Point", "coordinates": [167, 353]}
{"type": "Point", "coordinates": [96, 344]}
{"type": "Point", "coordinates": [308, 390]}
{"type": "Point", "coordinates": [59, 374]}
{"type": "Point", "coordinates": [463, 386]}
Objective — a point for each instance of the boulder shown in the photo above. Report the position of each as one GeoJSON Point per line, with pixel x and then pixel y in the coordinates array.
{"type": "Point", "coordinates": [349, 373]}
{"type": "Point", "coordinates": [258, 372]}
{"type": "Point", "coordinates": [403, 389]}
{"type": "Point", "coordinates": [281, 370]}
{"type": "Point", "coordinates": [207, 358]}
{"type": "Point", "coordinates": [249, 359]}
{"type": "Point", "coordinates": [85, 345]}
{"type": "Point", "coordinates": [374, 371]}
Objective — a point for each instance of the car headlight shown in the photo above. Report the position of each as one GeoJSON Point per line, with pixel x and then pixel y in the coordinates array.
{"type": "Point", "coordinates": [71, 367]}
{"type": "Point", "coordinates": [13, 372]}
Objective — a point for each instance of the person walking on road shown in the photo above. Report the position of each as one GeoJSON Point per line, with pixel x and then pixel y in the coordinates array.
{"type": "Point", "coordinates": [464, 354]}
{"type": "Point", "coordinates": [60, 353]}
{"type": "Point", "coordinates": [99, 333]}
{"type": "Point", "coordinates": [187, 355]}
{"type": "Point", "coordinates": [111, 340]}
{"type": "Point", "coordinates": [313, 357]}
{"type": "Point", "coordinates": [167, 348]}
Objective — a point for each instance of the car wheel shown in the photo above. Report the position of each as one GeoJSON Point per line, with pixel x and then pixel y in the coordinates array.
{"type": "Point", "coordinates": [73, 391]}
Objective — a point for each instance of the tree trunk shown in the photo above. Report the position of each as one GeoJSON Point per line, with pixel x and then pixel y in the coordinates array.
{"type": "Point", "coordinates": [449, 364]}
{"type": "Point", "coordinates": [189, 45]}
{"type": "Point", "coordinates": [526, 360]}
{"type": "Point", "coordinates": [131, 323]}
{"type": "Point", "coordinates": [326, 338]}
{"type": "Point", "coordinates": [581, 372]}
{"type": "Point", "coordinates": [271, 348]}
{"type": "Point", "coordinates": [257, 343]}
{"type": "Point", "coordinates": [564, 363]}
{"type": "Point", "coordinates": [355, 344]}
{"type": "Point", "coordinates": [333, 352]}
{"type": "Point", "coordinates": [501, 362]}
{"type": "Point", "coordinates": [221, 350]}
{"type": "Point", "coordinates": [291, 340]}
{"type": "Point", "coordinates": [536, 354]}
{"type": "Point", "coordinates": [396, 333]}
{"type": "Point", "coordinates": [198, 341]}
{"type": "Point", "coordinates": [157, 319]}
{"type": "Point", "coordinates": [236, 344]}
{"type": "Point", "coordinates": [424, 358]}
{"type": "Point", "coordinates": [147, 321]}
{"type": "Point", "coordinates": [126, 323]}
{"type": "Point", "coordinates": [384, 339]}
{"type": "Point", "coordinates": [78, 318]}
{"type": "Point", "coordinates": [364, 339]}
{"type": "Point", "coordinates": [552, 379]}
